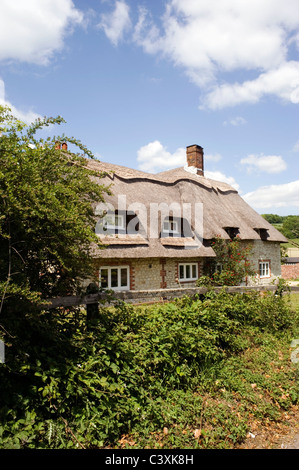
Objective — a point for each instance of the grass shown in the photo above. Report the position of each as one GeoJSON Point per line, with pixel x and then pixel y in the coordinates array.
{"type": "Point", "coordinates": [294, 301]}
{"type": "Point", "coordinates": [290, 245]}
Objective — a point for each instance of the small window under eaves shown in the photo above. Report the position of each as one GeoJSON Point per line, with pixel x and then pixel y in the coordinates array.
{"type": "Point", "coordinates": [176, 227]}
{"type": "Point", "coordinates": [263, 233]}
{"type": "Point", "coordinates": [232, 232]}
{"type": "Point", "coordinates": [118, 222]}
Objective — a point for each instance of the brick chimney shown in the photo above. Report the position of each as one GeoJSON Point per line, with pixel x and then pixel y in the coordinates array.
{"type": "Point", "coordinates": [60, 146]}
{"type": "Point", "coordinates": [195, 158]}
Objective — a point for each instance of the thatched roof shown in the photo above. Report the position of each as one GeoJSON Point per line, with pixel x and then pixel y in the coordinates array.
{"type": "Point", "coordinates": [222, 206]}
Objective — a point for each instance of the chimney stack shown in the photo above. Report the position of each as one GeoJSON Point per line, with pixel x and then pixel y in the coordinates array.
{"type": "Point", "coordinates": [195, 158]}
{"type": "Point", "coordinates": [60, 146]}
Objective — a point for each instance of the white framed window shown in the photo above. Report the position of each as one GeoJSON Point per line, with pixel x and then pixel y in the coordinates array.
{"type": "Point", "coordinates": [114, 221]}
{"type": "Point", "coordinates": [170, 226]}
{"type": "Point", "coordinates": [115, 277]}
{"type": "Point", "coordinates": [264, 268]}
{"type": "Point", "coordinates": [188, 271]}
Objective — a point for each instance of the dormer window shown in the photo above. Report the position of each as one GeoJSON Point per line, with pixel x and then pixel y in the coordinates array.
{"type": "Point", "coordinates": [232, 232]}
{"type": "Point", "coordinates": [176, 227]}
{"type": "Point", "coordinates": [117, 223]}
{"type": "Point", "coordinates": [170, 227]}
{"type": "Point", "coordinates": [114, 222]}
{"type": "Point", "coordinates": [263, 233]}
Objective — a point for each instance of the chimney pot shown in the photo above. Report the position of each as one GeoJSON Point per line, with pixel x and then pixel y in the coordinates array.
{"type": "Point", "coordinates": [195, 158]}
{"type": "Point", "coordinates": [64, 146]}
{"type": "Point", "coordinates": [57, 145]}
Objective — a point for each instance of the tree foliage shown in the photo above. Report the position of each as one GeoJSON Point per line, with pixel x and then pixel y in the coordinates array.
{"type": "Point", "coordinates": [46, 212]}
{"type": "Point", "coordinates": [273, 218]}
{"type": "Point", "coordinates": [288, 224]}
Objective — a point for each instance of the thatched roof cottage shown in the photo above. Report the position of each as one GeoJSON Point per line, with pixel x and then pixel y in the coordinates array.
{"type": "Point", "coordinates": [158, 228]}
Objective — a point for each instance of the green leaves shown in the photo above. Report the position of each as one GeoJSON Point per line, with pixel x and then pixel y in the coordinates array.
{"type": "Point", "coordinates": [46, 217]}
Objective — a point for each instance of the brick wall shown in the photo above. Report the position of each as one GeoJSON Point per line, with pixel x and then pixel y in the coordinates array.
{"type": "Point", "coordinates": [290, 271]}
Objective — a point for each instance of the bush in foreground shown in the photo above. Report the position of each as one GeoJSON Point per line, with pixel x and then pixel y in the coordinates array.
{"type": "Point", "coordinates": [182, 366]}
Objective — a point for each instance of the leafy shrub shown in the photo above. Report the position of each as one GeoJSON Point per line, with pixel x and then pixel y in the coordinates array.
{"type": "Point", "coordinates": [65, 385]}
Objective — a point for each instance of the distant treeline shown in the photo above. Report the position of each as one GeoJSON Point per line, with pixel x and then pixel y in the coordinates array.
{"type": "Point", "coordinates": [288, 225]}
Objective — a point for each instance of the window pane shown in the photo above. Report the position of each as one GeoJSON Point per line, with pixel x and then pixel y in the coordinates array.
{"type": "Point", "coordinates": [119, 221]}
{"type": "Point", "coordinates": [123, 277]}
{"type": "Point", "coordinates": [181, 271]}
{"type": "Point", "coordinates": [170, 226]}
{"type": "Point", "coordinates": [114, 277]}
{"type": "Point", "coordinates": [194, 274]}
{"type": "Point", "coordinates": [264, 269]}
{"type": "Point", "coordinates": [104, 278]}
{"type": "Point", "coordinates": [188, 271]}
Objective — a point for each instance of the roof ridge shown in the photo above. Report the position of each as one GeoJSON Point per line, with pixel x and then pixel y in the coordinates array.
{"type": "Point", "coordinates": [168, 176]}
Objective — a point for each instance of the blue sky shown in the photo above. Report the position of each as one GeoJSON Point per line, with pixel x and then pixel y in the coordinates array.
{"type": "Point", "coordinates": [138, 81]}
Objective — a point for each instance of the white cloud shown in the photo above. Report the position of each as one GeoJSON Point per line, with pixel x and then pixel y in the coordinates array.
{"type": "Point", "coordinates": [219, 176]}
{"type": "Point", "coordinates": [25, 116]}
{"type": "Point", "coordinates": [237, 121]}
{"type": "Point", "coordinates": [274, 196]}
{"type": "Point", "coordinates": [282, 82]}
{"type": "Point", "coordinates": [154, 157]}
{"type": "Point", "coordinates": [209, 38]}
{"type": "Point", "coordinates": [266, 163]}
{"type": "Point", "coordinates": [115, 24]}
{"type": "Point", "coordinates": [32, 30]}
